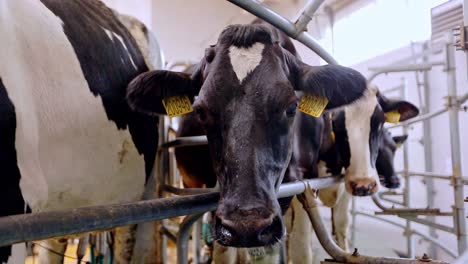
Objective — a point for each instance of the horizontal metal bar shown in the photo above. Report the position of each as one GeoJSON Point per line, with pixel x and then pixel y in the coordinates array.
{"type": "Point", "coordinates": [264, 12]}
{"type": "Point", "coordinates": [185, 142]}
{"type": "Point", "coordinates": [393, 89]}
{"type": "Point", "coordinates": [392, 201]}
{"type": "Point", "coordinates": [398, 68]}
{"type": "Point", "coordinates": [435, 176]}
{"type": "Point", "coordinates": [390, 193]}
{"type": "Point", "coordinates": [413, 211]}
{"type": "Point", "coordinates": [43, 225]}
{"type": "Point", "coordinates": [425, 222]}
{"type": "Point", "coordinates": [186, 191]}
{"type": "Point", "coordinates": [420, 118]}
{"type": "Point", "coordinates": [402, 68]}
{"type": "Point", "coordinates": [425, 237]}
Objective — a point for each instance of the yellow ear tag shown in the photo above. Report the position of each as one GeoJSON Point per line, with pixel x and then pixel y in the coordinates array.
{"type": "Point", "coordinates": [312, 105]}
{"type": "Point", "coordinates": [392, 117]}
{"type": "Point", "coordinates": [177, 105]}
{"type": "Point", "coordinates": [332, 136]}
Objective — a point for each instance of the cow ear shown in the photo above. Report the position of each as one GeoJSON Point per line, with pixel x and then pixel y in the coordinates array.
{"type": "Point", "coordinates": [146, 92]}
{"type": "Point", "coordinates": [339, 85]}
{"type": "Point", "coordinates": [399, 140]}
{"type": "Point", "coordinates": [397, 110]}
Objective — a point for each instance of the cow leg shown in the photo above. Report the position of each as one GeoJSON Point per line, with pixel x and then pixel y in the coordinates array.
{"type": "Point", "coordinates": [147, 243]}
{"type": "Point", "coordinates": [124, 240]}
{"type": "Point", "coordinates": [51, 251]}
{"type": "Point", "coordinates": [340, 218]}
{"type": "Point", "coordinates": [299, 228]}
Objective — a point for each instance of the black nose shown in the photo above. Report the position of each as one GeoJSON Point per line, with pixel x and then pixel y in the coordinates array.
{"type": "Point", "coordinates": [249, 232]}
{"type": "Point", "coordinates": [391, 182]}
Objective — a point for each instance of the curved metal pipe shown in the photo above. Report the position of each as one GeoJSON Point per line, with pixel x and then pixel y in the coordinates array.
{"type": "Point", "coordinates": [183, 237]}
{"type": "Point", "coordinates": [310, 204]}
{"type": "Point", "coordinates": [264, 12]}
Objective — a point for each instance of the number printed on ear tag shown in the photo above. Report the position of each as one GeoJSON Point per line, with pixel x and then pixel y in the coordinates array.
{"type": "Point", "coordinates": [312, 104]}
{"type": "Point", "coordinates": [177, 105]}
{"type": "Point", "coordinates": [392, 117]}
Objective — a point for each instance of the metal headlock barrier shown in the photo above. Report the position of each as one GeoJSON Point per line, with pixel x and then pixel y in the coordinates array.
{"type": "Point", "coordinates": [452, 107]}
{"type": "Point", "coordinates": [194, 202]}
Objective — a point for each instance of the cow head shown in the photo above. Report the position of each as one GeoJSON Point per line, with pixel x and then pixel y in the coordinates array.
{"type": "Point", "coordinates": [246, 102]}
{"type": "Point", "coordinates": [358, 129]}
{"type": "Point", "coordinates": [385, 158]}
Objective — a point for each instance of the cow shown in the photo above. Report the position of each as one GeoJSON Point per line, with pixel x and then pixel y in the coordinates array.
{"type": "Point", "coordinates": [246, 101]}
{"type": "Point", "coordinates": [384, 163]}
{"type": "Point", "coordinates": [67, 136]}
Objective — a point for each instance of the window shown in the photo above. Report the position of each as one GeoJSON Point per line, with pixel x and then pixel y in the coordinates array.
{"type": "Point", "coordinates": [379, 27]}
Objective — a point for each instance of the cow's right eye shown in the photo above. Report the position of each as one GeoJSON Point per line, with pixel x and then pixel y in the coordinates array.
{"type": "Point", "coordinates": [291, 110]}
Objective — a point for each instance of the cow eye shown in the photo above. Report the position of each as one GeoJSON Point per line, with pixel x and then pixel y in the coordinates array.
{"type": "Point", "coordinates": [291, 110]}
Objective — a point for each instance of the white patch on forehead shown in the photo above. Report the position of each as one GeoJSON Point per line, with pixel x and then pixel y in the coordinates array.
{"type": "Point", "coordinates": [357, 120]}
{"type": "Point", "coordinates": [245, 60]}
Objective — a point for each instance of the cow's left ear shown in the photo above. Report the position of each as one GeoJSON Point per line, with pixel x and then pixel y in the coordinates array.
{"type": "Point", "coordinates": [339, 85]}
{"type": "Point", "coordinates": [397, 110]}
{"type": "Point", "coordinates": [146, 92]}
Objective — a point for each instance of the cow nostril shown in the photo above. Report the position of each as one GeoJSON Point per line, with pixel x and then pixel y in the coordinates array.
{"type": "Point", "coordinates": [224, 233]}
{"type": "Point", "coordinates": [272, 233]}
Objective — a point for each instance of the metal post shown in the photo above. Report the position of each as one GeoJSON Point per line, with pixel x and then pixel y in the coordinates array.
{"type": "Point", "coordinates": [183, 237]}
{"type": "Point", "coordinates": [353, 221]}
{"type": "Point", "coordinates": [427, 146]}
{"type": "Point", "coordinates": [459, 207]}
{"type": "Point", "coordinates": [407, 188]}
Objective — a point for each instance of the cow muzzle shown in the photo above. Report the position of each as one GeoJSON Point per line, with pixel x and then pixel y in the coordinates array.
{"type": "Point", "coordinates": [248, 228]}
{"type": "Point", "coordinates": [362, 187]}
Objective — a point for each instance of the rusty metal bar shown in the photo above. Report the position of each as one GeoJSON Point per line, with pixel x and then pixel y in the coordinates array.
{"type": "Point", "coordinates": [420, 118]}
{"type": "Point", "coordinates": [414, 211]}
{"type": "Point", "coordinates": [310, 204]}
{"type": "Point", "coordinates": [445, 228]}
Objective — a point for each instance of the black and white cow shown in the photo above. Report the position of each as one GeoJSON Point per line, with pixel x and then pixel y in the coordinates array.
{"type": "Point", "coordinates": [246, 86]}
{"type": "Point", "coordinates": [349, 141]}
{"type": "Point", "coordinates": [384, 164]}
{"type": "Point", "coordinates": [67, 136]}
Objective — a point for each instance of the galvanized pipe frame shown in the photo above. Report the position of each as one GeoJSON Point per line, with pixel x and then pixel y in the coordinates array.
{"type": "Point", "coordinates": [452, 108]}
{"type": "Point", "coordinates": [425, 237]}
{"type": "Point", "coordinates": [308, 199]}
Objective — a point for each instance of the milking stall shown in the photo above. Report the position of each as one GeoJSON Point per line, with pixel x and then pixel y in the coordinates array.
{"type": "Point", "coordinates": [238, 131]}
